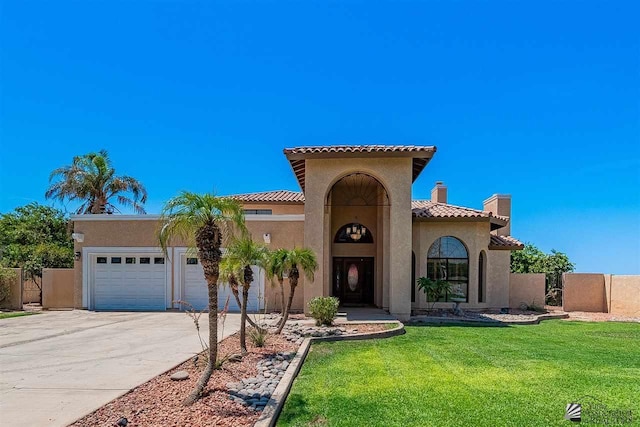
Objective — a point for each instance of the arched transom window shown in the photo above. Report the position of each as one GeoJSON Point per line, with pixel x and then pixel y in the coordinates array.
{"type": "Point", "coordinates": [448, 260]}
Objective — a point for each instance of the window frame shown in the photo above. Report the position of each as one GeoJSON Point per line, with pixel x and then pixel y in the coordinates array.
{"type": "Point", "coordinates": [447, 261]}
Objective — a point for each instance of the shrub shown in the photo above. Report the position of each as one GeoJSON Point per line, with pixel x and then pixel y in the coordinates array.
{"type": "Point", "coordinates": [434, 289]}
{"type": "Point", "coordinates": [6, 278]}
{"type": "Point", "coordinates": [324, 309]}
{"type": "Point", "coordinates": [258, 336]}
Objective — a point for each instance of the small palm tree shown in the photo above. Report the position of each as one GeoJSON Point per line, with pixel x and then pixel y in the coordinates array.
{"type": "Point", "coordinates": [230, 270]}
{"type": "Point", "coordinates": [277, 267]}
{"type": "Point", "coordinates": [297, 259]}
{"type": "Point", "coordinates": [246, 253]}
{"type": "Point", "coordinates": [92, 180]}
{"type": "Point", "coordinates": [207, 221]}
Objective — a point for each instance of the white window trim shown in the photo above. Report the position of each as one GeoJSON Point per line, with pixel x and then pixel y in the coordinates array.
{"type": "Point", "coordinates": [90, 251]}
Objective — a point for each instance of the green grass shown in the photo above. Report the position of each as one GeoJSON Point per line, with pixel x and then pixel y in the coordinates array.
{"type": "Point", "coordinates": [15, 314]}
{"type": "Point", "coordinates": [468, 376]}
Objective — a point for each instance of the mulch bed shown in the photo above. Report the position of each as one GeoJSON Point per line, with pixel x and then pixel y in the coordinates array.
{"type": "Point", "coordinates": [158, 402]}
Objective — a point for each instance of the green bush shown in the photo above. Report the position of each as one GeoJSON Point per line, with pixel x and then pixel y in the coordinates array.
{"type": "Point", "coordinates": [324, 309]}
{"type": "Point", "coordinates": [6, 278]}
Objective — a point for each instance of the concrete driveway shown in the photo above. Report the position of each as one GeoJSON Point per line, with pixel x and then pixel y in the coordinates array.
{"type": "Point", "coordinates": [58, 366]}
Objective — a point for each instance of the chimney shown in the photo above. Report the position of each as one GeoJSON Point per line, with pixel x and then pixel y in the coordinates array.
{"type": "Point", "coordinates": [500, 204]}
{"type": "Point", "coordinates": [439, 193]}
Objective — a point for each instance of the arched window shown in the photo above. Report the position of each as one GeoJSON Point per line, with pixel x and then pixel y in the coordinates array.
{"type": "Point", "coordinates": [482, 269]}
{"type": "Point", "coordinates": [353, 233]}
{"type": "Point", "coordinates": [448, 260]}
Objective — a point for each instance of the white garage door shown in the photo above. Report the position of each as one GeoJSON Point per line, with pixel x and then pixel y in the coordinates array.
{"type": "Point", "coordinates": [129, 281]}
{"type": "Point", "coordinates": [194, 288]}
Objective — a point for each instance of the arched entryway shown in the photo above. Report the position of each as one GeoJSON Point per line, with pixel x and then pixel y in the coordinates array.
{"type": "Point", "coordinates": [358, 207]}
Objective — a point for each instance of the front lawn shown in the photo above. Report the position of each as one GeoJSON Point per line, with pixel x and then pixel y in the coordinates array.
{"type": "Point", "coordinates": [468, 376]}
{"type": "Point", "coordinates": [6, 315]}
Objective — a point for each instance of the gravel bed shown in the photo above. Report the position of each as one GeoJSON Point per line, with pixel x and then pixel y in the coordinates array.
{"type": "Point", "coordinates": [600, 317]}
{"type": "Point", "coordinates": [158, 402]}
{"type": "Point", "coordinates": [296, 333]}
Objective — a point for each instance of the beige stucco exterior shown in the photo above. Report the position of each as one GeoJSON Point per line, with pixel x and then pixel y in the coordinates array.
{"type": "Point", "coordinates": [313, 219]}
{"type": "Point", "coordinates": [601, 293]}
{"type": "Point", "coordinates": [526, 289]}
{"type": "Point", "coordinates": [395, 266]}
{"type": "Point", "coordinates": [58, 288]}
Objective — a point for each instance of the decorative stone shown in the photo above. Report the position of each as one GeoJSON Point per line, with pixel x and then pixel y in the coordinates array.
{"type": "Point", "coordinates": [179, 376]}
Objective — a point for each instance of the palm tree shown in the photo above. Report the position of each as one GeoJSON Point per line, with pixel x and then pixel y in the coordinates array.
{"type": "Point", "coordinates": [230, 270]}
{"type": "Point", "coordinates": [297, 259]}
{"type": "Point", "coordinates": [246, 253]}
{"type": "Point", "coordinates": [207, 221]}
{"type": "Point", "coordinates": [277, 267]}
{"type": "Point", "coordinates": [92, 180]}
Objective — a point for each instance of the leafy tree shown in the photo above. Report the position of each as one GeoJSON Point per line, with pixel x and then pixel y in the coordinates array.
{"type": "Point", "coordinates": [277, 268]}
{"type": "Point", "coordinates": [297, 259]}
{"type": "Point", "coordinates": [206, 221]}
{"type": "Point", "coordinates": [553, 265]}
{"type": "Point", "coordinates": [434, 289]}
{"type": "Point", "coordinates": [34, 237]}
{"type": "Point", "coordinates": [92, 180]}
{"type": "Point", "coordinates": [245, 252]}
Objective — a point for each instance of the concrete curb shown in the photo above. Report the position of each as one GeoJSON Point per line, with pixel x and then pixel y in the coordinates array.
{"type": "Point", "coordinates": [273, 408]}
{"type": "Point", "coordinates": [433, 320]}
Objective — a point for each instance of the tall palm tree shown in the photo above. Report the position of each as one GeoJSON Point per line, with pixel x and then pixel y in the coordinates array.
{"type": "Point", "coordinates": [246, 253]}
{"type": "Point", "coordinates": [208, 221]}
{"type": "Point", "coordinates": [298, 259]}
{"type": "Point", "coordinates": [277, 267]}
{"type": "Point", "coordinates": [92, 180]}
{"type": "Point", "coordinates": [230, 270]}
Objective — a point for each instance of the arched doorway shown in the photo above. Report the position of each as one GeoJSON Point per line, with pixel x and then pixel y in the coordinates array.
{"type": "Point", "coordinates": [358, 206]}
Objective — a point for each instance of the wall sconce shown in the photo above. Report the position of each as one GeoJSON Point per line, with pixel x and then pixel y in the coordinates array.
{"type": "Point", "coordinates": [267, 238]}
{"type": "Point", "coordinates": [78, 237]}
{"type": "Point", "coordinates": [77, 255]}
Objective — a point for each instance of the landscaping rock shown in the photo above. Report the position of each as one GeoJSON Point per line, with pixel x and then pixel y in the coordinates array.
{"type": "Point", "coordinates": [235, 358]}
{"type": "Point", "coordinates": [179, 376]}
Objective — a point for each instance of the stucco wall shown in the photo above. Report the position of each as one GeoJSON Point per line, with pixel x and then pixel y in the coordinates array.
{"type": "Point", "coordinates": [526, 288]}
{"type": "Point", "coordinates": [395, 174]}
{"type": "Point", "coordinates": [143, 233]}
{"type": "Point", "coordinates": [584, 292]}
{"type": "Point", "coordinates": [625, 295]}
{"type": "Point", "coordinates": [57, 288]}
{"type": "Point", "coordinates": [14, 301]}
{"type": "Point", "coordinates": [284, 234]}
{"type": "Point", "coordinates": [475, 236]}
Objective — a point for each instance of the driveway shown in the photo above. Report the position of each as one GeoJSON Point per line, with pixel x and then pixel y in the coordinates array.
{"type": "Point", "coordinates": [57, 366]}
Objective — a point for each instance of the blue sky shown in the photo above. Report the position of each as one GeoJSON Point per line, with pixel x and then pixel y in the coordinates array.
{"type": "Point", "coordinates": [536, 99]}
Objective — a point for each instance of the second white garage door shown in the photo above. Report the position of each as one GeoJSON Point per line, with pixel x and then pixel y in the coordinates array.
{"type": "Point", "coordinates": [195, 292]}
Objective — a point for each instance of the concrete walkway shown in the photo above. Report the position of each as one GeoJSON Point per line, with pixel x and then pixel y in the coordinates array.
{"type": "Point", "coordinates": [56, 367]}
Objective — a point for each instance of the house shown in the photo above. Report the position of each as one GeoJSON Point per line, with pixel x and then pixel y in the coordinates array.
{"type": "Point", "coordinates": [355, 212]}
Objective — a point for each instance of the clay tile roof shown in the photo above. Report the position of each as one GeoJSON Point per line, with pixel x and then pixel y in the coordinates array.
{"type": "Point", "coordinates": [505, 243]}
{"type": "Point", "coordinates": [279, 196]}
{"type": "Point", "coordinates": [428, 209]}
{"type": "Point", "coordinates": [421, 154]}
{"type": "Point", "coordinates": [360, 149]}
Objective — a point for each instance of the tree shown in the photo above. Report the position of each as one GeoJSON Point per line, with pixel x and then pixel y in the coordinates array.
{"type": "Point", "coordinates": [230, 270]}
{"type": "Point", "coordinates": [277, 267]}
{"type": "Point", "coordinates": [206, 221]}
{"type": "Point", "coordinates": [34, 237]}
{"type": "Point", "coordinates": [92, 180]}
{"type": "Point", "coordinates": [246, 253]}
{"type": "Point", "coordinates": [297, 259]}
{"type": "Point", "coordinates": [553, 265]}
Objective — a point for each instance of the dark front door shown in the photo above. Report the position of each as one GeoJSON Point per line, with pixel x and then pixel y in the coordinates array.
{"type": "Point", "coordinates": [353, 280]}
